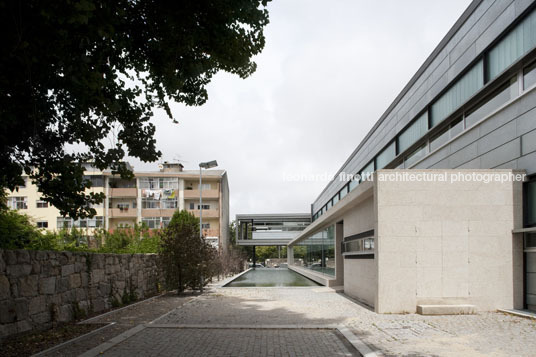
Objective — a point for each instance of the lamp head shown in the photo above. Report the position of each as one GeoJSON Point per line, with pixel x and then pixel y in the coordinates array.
{"type": "Point", "coordinates": [208, 164]}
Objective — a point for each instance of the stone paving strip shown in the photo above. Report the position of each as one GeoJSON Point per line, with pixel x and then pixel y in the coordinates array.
{"type": "Point", "coordinates": [123, 320]}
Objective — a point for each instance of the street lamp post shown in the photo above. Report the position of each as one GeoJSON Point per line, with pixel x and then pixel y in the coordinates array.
{"type": "Point", "coordinates": [203, 165]}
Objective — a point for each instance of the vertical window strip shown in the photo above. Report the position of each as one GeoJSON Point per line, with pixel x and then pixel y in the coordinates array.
{"type": "Point", "coordinates": [453, 98]}
{"type": "Point", "coordinates": [413, 133]}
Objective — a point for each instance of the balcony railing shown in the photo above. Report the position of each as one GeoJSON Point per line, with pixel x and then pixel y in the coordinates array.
{"type": "Point", "coordinates": [207, 213]}
{"type": "Point", "coordinates": [125, 212]}
{"type": "Point", "coordinates": [123, 192]}
{"type": "Point", "coordinates": [206, 194]}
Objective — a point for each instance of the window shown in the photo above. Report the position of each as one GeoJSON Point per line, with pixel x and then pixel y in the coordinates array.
{"type": "Point", "coordinates": [359, 243]}
{"type": "Point", "coordinates": [63, 222]}
{"type": "Point", "coordinates": [96, 180]}
{"type": "Point", "coordinates": [501, 95]}
{"type": "Point", "coordinates": [42, 224]}
{"type": "Point", "coordinates": [206, 225]}
{"type": "Point", "coordinates": [204, 206]}
{"type": "Point", "coordinates": [386, 156]}
{"type": "Point", "coordinates": [318, 252]}
{"type": "Point", "coordinates": [335, 199]}
{"type": "Point", "coordinates": [151, 222]}
{"type": "Point", "coordinates": [530, 203]}
{"type": "Point", "coordinates": [413, 133]}
{"type": "Point", "coordinates": [205, 186]}
{"type": "Point", "coordinates": [529, 76]}
{"type": "Point", "coordinates": [353, 184]}
{"type": "Point", "coordinates": [17, 202]}
{"type": "Point", "coordinates": [343, 192]}
{"type": "Point", "coordinates": [456, 95]}
{"type": "Point", "coordinates": [159, 182]}
{"type": "Point", "coordinates": [41, 204]}
{"type": "Point", "coordinates": [415, 156]}
{"type": "Point", "coordinates": [149, 203]}
{"type": "Point", "coordinates": [367, 172]}
{"type": "Point", "coordinates": [123, 206]}
{"type": "Point", "coordinates": [192, 205]}
{"type": "Point", "coordinates": [165, 221]}
{"type": "Point", "coordinates": [169, 203]}
{"type": "Point", "coordinates": [520, 40]}
{"type": "Point", "coordinates": [446, 134]}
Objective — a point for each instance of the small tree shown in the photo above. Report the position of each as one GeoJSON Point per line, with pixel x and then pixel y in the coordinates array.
{"type": "Point", "coordinates": [185, 257]}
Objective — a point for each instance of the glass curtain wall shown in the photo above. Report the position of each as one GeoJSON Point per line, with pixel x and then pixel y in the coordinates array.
{"type": "Point", "coordinates": [318, 252]}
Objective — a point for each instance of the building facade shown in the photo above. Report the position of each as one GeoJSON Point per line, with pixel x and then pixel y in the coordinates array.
{"type": "Point", "coordinates": [150, 198]}
{"type": "Point", "coordinates": [469, 110]}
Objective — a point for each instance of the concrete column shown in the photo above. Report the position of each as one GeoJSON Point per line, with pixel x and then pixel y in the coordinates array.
{"type": "Point", "coordinates": [339, 259]}
{"type": "Point", "coordinates": [290, 255]}
{"type": "Point", "coordinates": [106, 203]}
{"type": "Point", "coordinates": [181, 194]}
{"type": "Point", "coordinates": [138, 201]}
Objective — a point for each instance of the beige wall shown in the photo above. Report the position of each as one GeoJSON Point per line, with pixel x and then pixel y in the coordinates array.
{"type": "Point", "coordinates": [443, 242]}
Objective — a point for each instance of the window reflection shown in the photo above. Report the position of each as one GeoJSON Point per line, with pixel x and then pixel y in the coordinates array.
{"type": "Point", "coordinates": [317, 252]}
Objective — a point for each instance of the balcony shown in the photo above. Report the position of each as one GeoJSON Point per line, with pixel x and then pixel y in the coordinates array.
{"type": "Point", "coordinates": [211, 233]}
{"type": "Point", "coordinates": [158, 212]}
{"type": "Point", "coordinates": [207, 213]}
{"type": "Point", "coordinates": [189, 194]}
{"type": "Point", "coordinates": [123, 192]}
{"type": "Point", "coordinates": [117, 212]}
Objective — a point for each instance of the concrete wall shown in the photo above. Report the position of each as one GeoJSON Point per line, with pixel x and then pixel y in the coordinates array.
{"type": "Point", "coordinates": [443, 242]}
{"type": "Point", "coordinates": [360, 274]}
{"type": "Point", "coordinates": [39, 288]}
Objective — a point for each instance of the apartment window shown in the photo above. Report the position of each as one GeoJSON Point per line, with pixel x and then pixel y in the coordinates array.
{"type": "Point", "coordinates": [63, 222]}
{"type": "Point", "coordinates": [155, 183]}
{"type": "Point", "coordinates": [520, 40]}
{"type": "Point", "coordinates": [446, 134]}
{"type": "Point", "coordinates": [386, 156]}
{"type": "Point", "coordinates": [42, 224]}
{"type": "Point", "coordinates": [415, 156]}
{"type": "Point", "coordinates": [413, 133]}
{"type": "Point", "coordinates": [206, 186]}
{"type": "Point", "coordinates": [501, 95]}
{"type": "Point", "coordinates": [96, 180]}
{"type": "Point", "coordinates": [456, 95]}
{"type": "Point", "coordinates": [367, 172]}
{"type": "Point", "coordinates": [165, 221]}
{"type": "Point", "coordinates": [529, 75]}
{"type": "Point", "coordinates": [206, 225]}
{"type": "Point", "coordinates": [204, 206]}
{"type": "Point", "coordinates": [149, 203]}
{"type": "Point", "coordinates": [192, 205]}
{"type": "Point", "coordinates": [151, 222]}
{"type": "Point", "coordinates": [169, 203]}
{"type": "Point", "coordinates": [41, 204]}
{"type": "Point", "coordinates": [123, 206]}
{"type": "Point", "coordinates": [17, 202]}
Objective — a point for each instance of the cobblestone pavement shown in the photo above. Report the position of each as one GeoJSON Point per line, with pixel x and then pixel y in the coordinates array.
{"type": "Point", "coordinates": [124, 319]}
{"type": "Point", "coordinates": [232, 342]}
{"type": "Point", "coordinates": [225, 309]}
{"type": "Point", "coordinates": [484, 334]}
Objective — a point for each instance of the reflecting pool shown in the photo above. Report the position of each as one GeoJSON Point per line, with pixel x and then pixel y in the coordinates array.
{"type": "Point", "coordinates": [268, 277]}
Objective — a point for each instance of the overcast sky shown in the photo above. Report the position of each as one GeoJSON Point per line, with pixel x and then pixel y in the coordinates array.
{"type": "Point", "coordinates": [327, 73]}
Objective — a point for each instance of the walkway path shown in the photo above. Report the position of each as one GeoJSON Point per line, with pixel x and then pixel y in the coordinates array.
{"type": "Point", "coordinates": [264, 321]}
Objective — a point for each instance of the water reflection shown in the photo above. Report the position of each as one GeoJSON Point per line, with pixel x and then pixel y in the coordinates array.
{"type": "Point", "coordinates": [271, 277]}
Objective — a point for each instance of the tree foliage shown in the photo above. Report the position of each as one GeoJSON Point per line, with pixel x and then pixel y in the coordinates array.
{"type": "Point", "coordinates": [86, 71]}
{"type": "Point", "coordinates": [186, 257]}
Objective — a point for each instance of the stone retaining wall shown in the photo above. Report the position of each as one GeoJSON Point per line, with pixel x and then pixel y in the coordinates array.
{"type": "Point", "coordinates": [40, 288]}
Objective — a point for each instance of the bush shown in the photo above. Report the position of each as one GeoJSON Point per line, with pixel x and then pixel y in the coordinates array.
{"type": "Point", "coordinates": [186, 257]}
{"type": "Point", "coordinates": [16, 230]}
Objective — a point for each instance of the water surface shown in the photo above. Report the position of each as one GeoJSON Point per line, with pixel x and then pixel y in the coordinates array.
{"type": "Point", "coordinates": [268, 277]}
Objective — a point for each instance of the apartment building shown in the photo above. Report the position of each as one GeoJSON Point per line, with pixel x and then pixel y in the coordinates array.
{"type": "Point", "coordinates": [150, 198]}
{"type": "Point", "coordinates": [452, 243]}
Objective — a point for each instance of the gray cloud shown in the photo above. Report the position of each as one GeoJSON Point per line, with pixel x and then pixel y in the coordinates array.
{"type": "Point", "coordinates": [326, 75]}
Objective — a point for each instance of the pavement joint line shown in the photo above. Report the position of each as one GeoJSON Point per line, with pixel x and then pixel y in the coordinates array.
{"type": "Point", "coordinates": [358, 344]}
{"type": "Point", "coordinates": [96, 351]}
{"type": "Point", "coordinates": [244, 327]}
{"type": "Point", "coordinates": [121, 308]}
{"type": "Point", "coordinates": [175, 309]}
{"type": "Point", "coordinates": [63, 344]}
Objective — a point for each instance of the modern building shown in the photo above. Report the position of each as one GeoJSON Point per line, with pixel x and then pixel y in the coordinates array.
{"type": "Point", "coordinates": [443, 221]}
{"type": "Point", "coordinates": [269, 229]}
{"type": "Point", "coordinates": [150, 198]}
